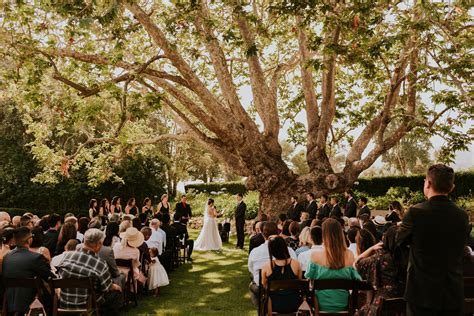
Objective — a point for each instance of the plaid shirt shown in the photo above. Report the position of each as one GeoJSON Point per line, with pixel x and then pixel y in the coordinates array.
{"type": "Point", "coordinates": [82, 264]}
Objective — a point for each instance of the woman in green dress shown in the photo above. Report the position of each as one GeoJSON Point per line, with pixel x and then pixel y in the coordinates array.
{"type": "Point", "coordinates": [334, 261]}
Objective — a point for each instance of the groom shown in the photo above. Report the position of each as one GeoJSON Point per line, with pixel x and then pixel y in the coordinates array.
{"type": "Point", "coordinates": [240, 220]}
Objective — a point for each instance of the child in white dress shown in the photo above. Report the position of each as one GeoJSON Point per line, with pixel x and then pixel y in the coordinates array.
{"type": "Point", "coordinates": [157, 276]}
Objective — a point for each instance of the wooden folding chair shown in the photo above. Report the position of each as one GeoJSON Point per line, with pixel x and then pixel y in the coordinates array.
{"type": "Point", "coordinates": [176, 250]}
{"type": "Point", "coordinates": [130, 291]}
{"type": "Point", "coordinates": [469, 295]}
{"type": "Point", "coordinates": [87, 284]}
{"type": "Point", "coordinates": [340, 284]}
{"type": "Point", "coordinates": [301, 286]}
{"type": "Point", "coordinates": [12, 283]}
{"type": "Point", "coordinates": [392, 307]}
{"type": "Point", "coordinates": [261, 295]}
{"type": "Point", "coordinates": [182, 249]}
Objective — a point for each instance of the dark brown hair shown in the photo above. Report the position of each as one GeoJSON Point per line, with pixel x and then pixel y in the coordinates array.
{"type": "Point", "coordinates": [441, 178]}
{"type": "Point", "coordinates": [364, 240]}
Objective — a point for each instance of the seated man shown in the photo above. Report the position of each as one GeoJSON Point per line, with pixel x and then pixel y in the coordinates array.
{"type": "Point", "coordinates": [257, 239]}
{"type": "Point", "coordinates": [182, 230]}
{"type": "Point", "coordinates": [317, 239]}
{"type": "Point", "coordinates": [259, 256]}
{"type": "Point", "coordinates": [22, 263]}
{"type": "Point", "coordinates": [86, 263]}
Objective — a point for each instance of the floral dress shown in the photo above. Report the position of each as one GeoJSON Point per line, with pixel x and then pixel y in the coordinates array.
{"type": "Point", "coordinates": [380, 271]}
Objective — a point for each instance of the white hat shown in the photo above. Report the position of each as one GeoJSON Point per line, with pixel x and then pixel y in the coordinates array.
{"type": "Point", "coordinates": [133, 237]}
{"type": "Point", "coordinates": [379, 220]}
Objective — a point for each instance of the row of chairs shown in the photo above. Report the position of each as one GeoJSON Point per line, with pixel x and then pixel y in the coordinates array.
{"type": "Point", "coordinates": [307, 288]}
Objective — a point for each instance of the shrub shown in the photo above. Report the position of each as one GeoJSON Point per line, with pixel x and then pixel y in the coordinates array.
{"type": "Point", "coordinates": [233, 187]}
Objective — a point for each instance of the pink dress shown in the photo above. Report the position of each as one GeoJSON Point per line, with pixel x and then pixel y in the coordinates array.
{"type": "Point", "coordinates": [127, 252]}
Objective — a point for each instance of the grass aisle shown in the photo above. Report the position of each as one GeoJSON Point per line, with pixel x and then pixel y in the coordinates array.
{"type": "Point", "coordinates": [213, 284]}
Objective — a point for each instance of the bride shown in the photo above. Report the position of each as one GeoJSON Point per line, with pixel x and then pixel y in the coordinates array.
{"type": "Point", "coordinates": [209, 238]}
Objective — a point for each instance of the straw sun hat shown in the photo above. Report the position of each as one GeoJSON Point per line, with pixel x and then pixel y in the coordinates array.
{"type": "Point", "coordinates": [133, 237]}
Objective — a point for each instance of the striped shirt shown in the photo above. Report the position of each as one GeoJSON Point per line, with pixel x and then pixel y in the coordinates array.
{"type": "Point", "coordinates": [81, 264]}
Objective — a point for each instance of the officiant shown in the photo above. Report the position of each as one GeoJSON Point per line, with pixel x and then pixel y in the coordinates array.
{"type": "Point", "coordinates": [183, 209]}
{"type": "Point", "coordinates": [240, 220]}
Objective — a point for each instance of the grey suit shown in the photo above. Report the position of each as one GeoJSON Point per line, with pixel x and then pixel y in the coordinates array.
{"type": "Point", "coordinates": [22, 263]}
{"type": "Point", "coordinates": [107, 254]}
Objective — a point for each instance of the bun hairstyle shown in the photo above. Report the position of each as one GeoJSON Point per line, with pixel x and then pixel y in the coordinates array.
{"type": "Point", "coordinates": [210, 201]}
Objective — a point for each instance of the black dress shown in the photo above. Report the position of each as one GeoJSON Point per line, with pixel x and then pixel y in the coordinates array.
{"type": "Point", "coordinates": [393, 217]}
{"type": "Point", "coordinates": [161, 211]}
{"type": "Point", "coordinates": [284, 301]}
{"type": "Point", "coordinates": [148, 212]}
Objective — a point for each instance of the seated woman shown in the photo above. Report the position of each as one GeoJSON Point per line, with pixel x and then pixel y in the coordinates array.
{"type": "Point", "coordinates": [384, 266]}
{"type": "Point", "coordinates": [334, 261]}
{"type": "Point", "coordinates": [282, 267]}
{"type": "Point", "coordinates": [364, 240]}
{"type": "Point", "coordinates": [293, 241]}
{"type": "Point", "coordinates": [305, 241]}
{"type": "Point", "coordinates": [128, 249]}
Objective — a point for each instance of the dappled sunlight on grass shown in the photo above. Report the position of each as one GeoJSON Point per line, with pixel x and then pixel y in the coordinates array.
{"type": "Point", "coordinates": [214, 283]}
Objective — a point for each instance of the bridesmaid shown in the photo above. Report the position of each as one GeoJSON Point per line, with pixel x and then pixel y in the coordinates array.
{"type": "Point", "coordinates": [147, 207]}
{"type": "Point", "coordinates": [116, 207]}
{"type": "Point", "coordinates": [163, 207]}
{"type": "Point", "coordinates": [131, 207]}
{"type": "Point", "coordinates": [93, 208]}
{"type": "Point", "coordinates": [104, 211]}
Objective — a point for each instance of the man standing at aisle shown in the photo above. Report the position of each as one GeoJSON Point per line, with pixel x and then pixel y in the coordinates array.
{"type": "Point", "coordinates": [435, 278]}
{"type": "Point", "coordinates": [240, 220]}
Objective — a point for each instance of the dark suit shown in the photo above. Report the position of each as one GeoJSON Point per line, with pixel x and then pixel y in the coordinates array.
{"type": "Point", "coordinates": [170, 236]}
{"type": "Point", "coordinates": [324, 211]}
{"type": "Point", "coordinates": [22, 263]}
{"type": "Point", "coordinates": [51, 240]}
{"type": "Point", "coordinates": [336, 211]}
{"type": "Point", "coordinates": [240, 223]}
{"type": "Point", "coordinates": [182, 230]}
{"type": "Point", "coordinates": [183, 210]}
{"type": "Point", "coordinates": [436, 231]}
{"type": "Point", "coordinates": [256, 241]}
{"type": "Point", "coordinates": [351, 208]}
{"type": "Point", "coordinates": [312, 209]}
{"type": "Point", "coordinates": [294, 212]}
{"type": "Point", "coordinates": [364, 210]}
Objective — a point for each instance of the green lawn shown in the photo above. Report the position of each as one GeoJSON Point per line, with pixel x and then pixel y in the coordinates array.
{"type": "Point", "coordinates": [213, 284]}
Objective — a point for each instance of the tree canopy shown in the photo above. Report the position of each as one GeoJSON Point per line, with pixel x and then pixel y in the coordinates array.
{"type": "Point", "coordinates": [97, 78]}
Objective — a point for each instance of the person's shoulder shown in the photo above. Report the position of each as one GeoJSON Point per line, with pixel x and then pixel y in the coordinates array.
{"type": "Point", "coordinates": [317, 256]}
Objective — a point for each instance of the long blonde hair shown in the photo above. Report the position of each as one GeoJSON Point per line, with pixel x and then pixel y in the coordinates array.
{"type": "Point", "coordinates": [334, 244]}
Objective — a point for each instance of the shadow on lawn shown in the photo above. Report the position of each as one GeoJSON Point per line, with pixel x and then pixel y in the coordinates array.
{"type": "Point", "coordinates": [215, 283]}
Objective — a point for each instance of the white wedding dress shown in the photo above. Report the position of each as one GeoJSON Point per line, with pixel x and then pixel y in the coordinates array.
{"type": "Point", "coordinates": [209, 238]}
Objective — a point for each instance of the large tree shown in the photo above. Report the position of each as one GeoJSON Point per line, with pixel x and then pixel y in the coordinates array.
{"type": "Point", "coordinates": [362, 72]}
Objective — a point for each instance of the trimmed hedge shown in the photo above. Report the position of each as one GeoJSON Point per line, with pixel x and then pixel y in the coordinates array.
{"type": "Point", "coordinates": [377, 186]}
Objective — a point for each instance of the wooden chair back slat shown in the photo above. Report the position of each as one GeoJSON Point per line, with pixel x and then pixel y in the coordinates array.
{"type": "Point", "coordinates": [74, 283]}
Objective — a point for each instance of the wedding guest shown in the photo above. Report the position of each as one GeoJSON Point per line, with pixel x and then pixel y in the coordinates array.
{"type": "Point", "coordinates": [111, 234]}
{"type": "Point", "coordinates": [144, 250]}
{"type": "Point", "coordinates": [131, 208]}
{"type": "Point", "coordinates": [380, 225]}
{"type": "Point", "coordinates": [52, 235]}
{"type": "Point", "coordinates": [82, 226]}
{"type": "Point", "coordinates": [116, 206]}
{"type": "Point", "coordinates": [4, 216]}
{"type": "Point", "coordinates": [22, 263]}
{"type": "Point", "coordinates": [124, 225]}
{"type": "Point", "coordinates": [163, 207]}
{"type": "Point", "coordinates": [383, 265]}
{"type": "Point", "coordinates": [44, 223]}
{"type": "Point", "coordinates": [285, 232]}
{"type": "Point", "coordinates": [396, 212]}
{"type": "Point", "coordinates": [316, 235]}
{"type": "Point", "coordinates": [324, 207]}
{"type": "Point", "coordinates": [137, 223]}
{"type": "Point", "coordinates": [372, 228]}
{"type": "Point", "coordinates": [128, 249]}
{"type": "Point", "coordinates": [351, 206]}
{"type": "Point", "coordinates": [147, 207]}
{"type": "Point", "coordinates": [157, 276]}
{"type": "Point", "coordinates": [37, 241]}
{"type": "Point", "coordinates": [294, 212]}
{"type": "Point", "coordinates": [27, 221]}
{"type": "Point", "coordinates": [282, 267]}
{"type": "Point", "coordinates": [16, 221]}
{"type": "Point", "coordinates": [170, 232]}
{"type": "Point", "coordinates": [56, 261]}
{"type": "Point", "coordinates": [435, 281]}
{"type": "Point", "coordinates": [258, 238]}
{"type": "Point", "coordinates": [364, 209]}
{"type": "Point", "coordinates": [311, 206]}
{"type": "Point", "coordinates": [281, 221]}
{"type": "Point", "coordinates": [334, 261]}
{"type": "Point", "coordinates": [68, 231]}
{"type": "Point", "coordinates": [259, 257]}
{"type": "Point", "coordinates": [352, 237]}
{"type": "Point", "coordinates": [183, 209]}
{"type": "Point", "coordinates": [93, 209]}
{"type": "Point", "coordinates": [305, 221]}
{"type": "Point", "coordinates": [293, 241]}
{"type": "Point", "coordinates": [364, 240]}
{"type": "Point", "coordinates": [182, 233]}
{"type": "Point", "coordinates": [305, 241]}
{"type": "Point", "coordinates": [7, 243]}
{"type": "Point", "coordinates": [86, 263]}
{"type": "Point", "coordinates": [335, 208]}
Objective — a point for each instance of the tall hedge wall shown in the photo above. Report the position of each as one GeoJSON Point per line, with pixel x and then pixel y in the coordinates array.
{"type": "Point", "coordinates": [377, 186]}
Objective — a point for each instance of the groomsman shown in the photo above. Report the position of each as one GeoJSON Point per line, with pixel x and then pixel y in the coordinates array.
{"type": "Point", "coordinates": [184, 210]}
{"type": "Point", "coordinates": [336, 209]}
{"type": "Point", "coordinates": [364, 209]}
{"type": "Point", "coordinates": [240, 220]}
{"type": "Point", "coordinates": [324, 207]}
{"type": "Point", "coordinates": [294, 212]}
{"type": "Point", "coordinates": [311, 207]}
{"type": "Point", "coordinates": [351, 206]}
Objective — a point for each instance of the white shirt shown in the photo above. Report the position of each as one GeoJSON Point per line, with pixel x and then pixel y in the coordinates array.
{"type": "Point", "coordinates": [80, 236]}
{"type": "Point", "coordinates": [305, 257]}
{"type": "Point", "coordinates": [353, 248]}
{"type": "Point", "coordinates": [56, 260]}
{"type": "Point", "coordinates": [155, 241]}
{"type": "Point", "coordinates": [163, 234]}
{"type": "Point", "coordinates": [259, 257]}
